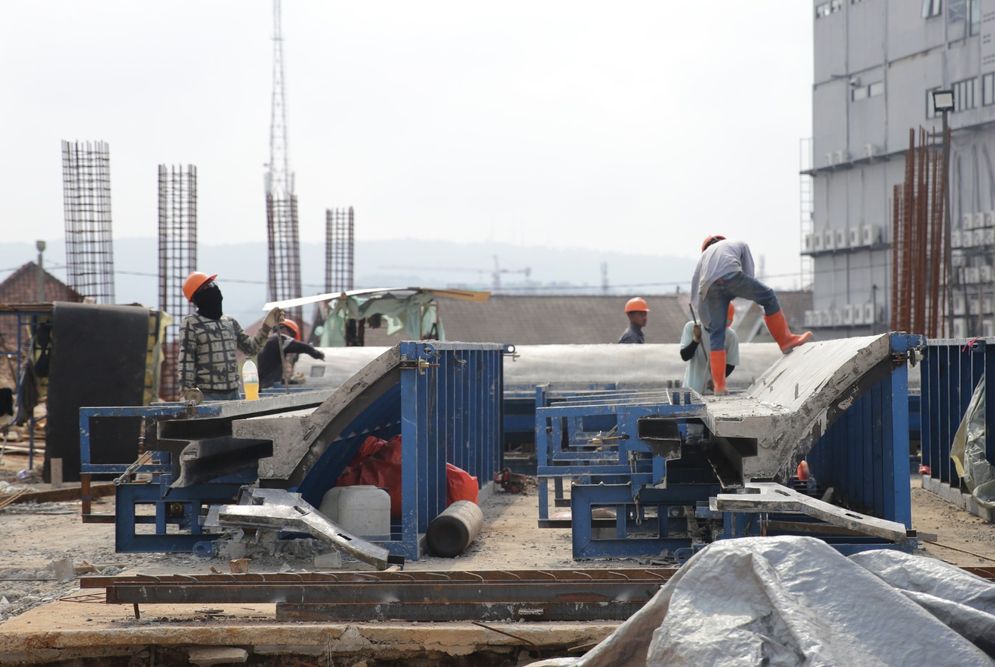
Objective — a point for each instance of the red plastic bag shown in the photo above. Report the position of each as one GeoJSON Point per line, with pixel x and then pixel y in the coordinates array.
{"type": "Point", "coordinates": [378, 463]}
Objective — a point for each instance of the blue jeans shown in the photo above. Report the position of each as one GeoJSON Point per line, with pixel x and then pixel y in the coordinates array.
{"type": "Point", "coordinates": [721, 293]}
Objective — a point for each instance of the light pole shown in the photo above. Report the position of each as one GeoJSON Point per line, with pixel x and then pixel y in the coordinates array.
{"type": "Point", "coordinates": [40, 273]}
{"type": "Point", "coordinates": [943, 101]}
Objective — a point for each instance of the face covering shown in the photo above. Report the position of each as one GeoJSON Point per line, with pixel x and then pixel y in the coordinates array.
{"type": "Point", "coordinates": [208, 301]}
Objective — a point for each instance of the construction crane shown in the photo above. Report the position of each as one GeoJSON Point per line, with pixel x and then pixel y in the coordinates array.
{"type": "Point", "coordinates": [496, 272]}
{"type": "Point", "coordinates": [496, 275]}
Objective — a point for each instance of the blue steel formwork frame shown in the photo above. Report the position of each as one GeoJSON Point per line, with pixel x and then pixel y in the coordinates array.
{"type": "Point", "coordinates": [450, 411]}
{"type": "Point", "coordinates": [446, 406]}
{"type": "Point", "coordinates": [863, 455]}
{"type": "Point", "coordinates": [617, 475]}
{"type": "Point", "coordinates": [951, 370]}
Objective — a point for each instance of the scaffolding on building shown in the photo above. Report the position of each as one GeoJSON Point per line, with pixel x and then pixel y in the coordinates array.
{"type": "Point", "coordinates": [339, 244]}
{"type": "Point", "coordinates": [807, 202]}
{"type": "Point", "coordinates": [177, 259]}
{"type": "Point", "coordinates": [86, 186]}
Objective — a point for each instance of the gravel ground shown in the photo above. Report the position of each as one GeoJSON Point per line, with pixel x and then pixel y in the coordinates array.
{"type": "Point", "coordinates": [36, 537]}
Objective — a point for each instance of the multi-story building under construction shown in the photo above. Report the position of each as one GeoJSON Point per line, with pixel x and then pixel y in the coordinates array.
{"type": "Point", "coordinates": [877, 63]}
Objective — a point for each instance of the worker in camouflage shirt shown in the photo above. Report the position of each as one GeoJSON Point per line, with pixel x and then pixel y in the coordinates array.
{"type": "Point", "coordinates": [209, 340]}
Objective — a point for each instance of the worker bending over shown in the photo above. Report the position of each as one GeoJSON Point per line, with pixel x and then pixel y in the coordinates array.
{"type": "Point", "coordinates": [637, 311]}
{"type": "Point", "coordinates": [694, 350]}
{"type": "Point", "coordinates": [288, 334]}
{"type": "Point", "coordinates": [209, 341]}
{"type": "Point", "coordinates": [724, 272]}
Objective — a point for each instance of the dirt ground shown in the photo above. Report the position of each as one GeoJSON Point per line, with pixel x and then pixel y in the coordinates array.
{"type": "Point", "coordinates": [35, 538]}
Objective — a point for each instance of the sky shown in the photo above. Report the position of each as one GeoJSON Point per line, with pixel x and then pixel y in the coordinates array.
{"type": "Point", "coordinates": [633, 127]}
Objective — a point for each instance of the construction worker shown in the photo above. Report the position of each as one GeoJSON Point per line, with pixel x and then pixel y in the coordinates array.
{"type": "Point", "coordinates": [288, 334]}
{"type": "Point", "coordinates": [637, 312]}
{"type": "Point", "coordinates": [724, 272]}
{"type": "Point", "coordinates": [694, 350]}
{"type": "Point", "coordinates": [209, 340]}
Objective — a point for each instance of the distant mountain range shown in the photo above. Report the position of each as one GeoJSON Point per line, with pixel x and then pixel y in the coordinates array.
{"type": "Point", "coordinates": [389, 263]}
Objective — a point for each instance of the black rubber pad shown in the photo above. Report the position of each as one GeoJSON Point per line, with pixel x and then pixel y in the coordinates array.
{"type": "Point", "coordinates": [98, 359]}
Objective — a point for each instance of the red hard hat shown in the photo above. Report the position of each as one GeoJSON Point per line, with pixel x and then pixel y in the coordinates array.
{"type": "Point", "coordinates": [290, 324]}
{"type": "Point", "coordinates": [710, 239]}
{"type": "Point", "coordinates": [636, 305]}
{"type": "Point", "coordinates": [194, 282]}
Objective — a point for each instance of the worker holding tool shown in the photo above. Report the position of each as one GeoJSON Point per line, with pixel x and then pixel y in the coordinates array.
{"type": "Point", "coordinates": [724, 272]}
{"type": "Point", "coordinates": [694, 350]}
{"type": "Point", "coordinates": [637, 311]}
{"type": "Point", "coordinates": [209, 340]}
{"type": "Point", "coordinates": [271, 362]}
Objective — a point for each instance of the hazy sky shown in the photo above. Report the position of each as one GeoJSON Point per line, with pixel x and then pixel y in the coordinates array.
{"type": "Point", "coordinates": [629, 126]}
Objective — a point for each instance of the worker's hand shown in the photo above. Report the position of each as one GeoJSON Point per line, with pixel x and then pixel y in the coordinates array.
{"type": "Point", "coordinates": [273, 318]}
{"type": "Point", "coordinates": [696, 333]}
{"type": "Point", "coordinates": [320, 355]}
{"type": "Point", "coordinates": [192, 396]}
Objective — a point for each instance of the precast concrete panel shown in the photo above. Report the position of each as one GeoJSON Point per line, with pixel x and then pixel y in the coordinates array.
{"type": "Point", "coordinates": [829, 36]}
{"type": "Point", "coordinates": [829, 121]}
{"type": "Point", "coordinates": [866, 40]}
{"type": "Point", "coordinates": [908, 32]}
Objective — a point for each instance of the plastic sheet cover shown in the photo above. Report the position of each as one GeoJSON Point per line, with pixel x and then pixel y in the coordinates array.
{"type": "Point", "coordinates": [780, 601]}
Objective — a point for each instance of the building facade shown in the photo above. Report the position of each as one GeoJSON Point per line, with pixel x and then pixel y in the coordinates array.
{"type": "Point", "coordinates": [876, 65]}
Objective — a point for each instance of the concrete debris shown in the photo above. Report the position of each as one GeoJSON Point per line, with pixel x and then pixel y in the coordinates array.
{"type": "Point", "coordinates": [331, 560]}
{"type": "Point", "coordinates": [63, 569]}
{"type": "Point", "coordinates": [207, 656]}
{"type": "Point", "coordinates": [239, 566]}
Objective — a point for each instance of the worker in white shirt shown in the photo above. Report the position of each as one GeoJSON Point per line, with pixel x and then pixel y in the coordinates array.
{"type": "Point", "coordinates": [695, 348]}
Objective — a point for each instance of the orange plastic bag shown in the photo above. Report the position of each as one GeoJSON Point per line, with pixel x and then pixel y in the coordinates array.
{"type": "Point", "coordinates": [460, 485]}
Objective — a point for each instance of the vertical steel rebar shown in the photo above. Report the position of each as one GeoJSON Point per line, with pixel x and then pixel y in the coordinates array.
{"type": "Point", "coordinates": [339, 249]}
{"type": "Point", "coordinates": [86, 185]}
{"type": "Point", "coordinates": [177, 258]}
{"type": "Point", "coordinates": [896, 256]}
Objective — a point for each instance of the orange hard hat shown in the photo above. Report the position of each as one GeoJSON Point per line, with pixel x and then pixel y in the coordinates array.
{"type": "Point", "coordinates": [194, 282]}
{"type": "Point", "coordinates": [710, 239]}
{"type": "Point", "coordinates": [290, 324]}
{"type": "Point", "coordinates": [636, 305]}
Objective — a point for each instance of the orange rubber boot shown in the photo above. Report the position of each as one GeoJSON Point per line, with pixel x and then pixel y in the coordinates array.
{"type": "Point", "coordinates": [778, 327]}
{"type": "Point", "coordinates": [717, 360]}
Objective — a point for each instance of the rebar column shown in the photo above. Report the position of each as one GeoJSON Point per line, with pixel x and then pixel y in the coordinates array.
{"type": "Point", "coordinates": [177, 259]}
{"type": "Point", "coordinates": [86, 187]}
{"type": "Point", "coordinates": [284, 250]}
{"type": "Point", "coordinates": [339, 244]}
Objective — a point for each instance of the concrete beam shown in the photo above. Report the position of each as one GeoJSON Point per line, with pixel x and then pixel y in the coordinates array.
{"type": "Point", "coordinates": [791, 405]}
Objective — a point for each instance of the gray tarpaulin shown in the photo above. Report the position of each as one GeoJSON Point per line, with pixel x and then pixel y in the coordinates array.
{"type": "Point", "coordinates": [780, 601]}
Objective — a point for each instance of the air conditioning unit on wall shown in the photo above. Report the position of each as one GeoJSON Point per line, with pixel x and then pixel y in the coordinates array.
{"type": "Point", "coordinates": [955, 238]}
{"type": "Point", "coordinates": [858, 313]}
{"type": "Point", "coordinates": [855, 237]}
{"type": "Point", "coordinates": [841, 239]}
{"type": "Point", "coordinates": [870, 313]}
{"type": "Point", "coordinates": [967, 222]}
{"type": "Point", "coordinates": [829, 240]}
{"type": "Point", "coordinates": [871, 235]}
{"type": "Point", "coordinates": [847, 311]}
{"type": "Point", "coordinates": [809, 242]}
{"type": "Point", "coordinates": [817, 241]}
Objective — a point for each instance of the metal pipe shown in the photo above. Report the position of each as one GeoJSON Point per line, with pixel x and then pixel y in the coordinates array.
{"type": "Point", "coordinates": [450, 533]}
